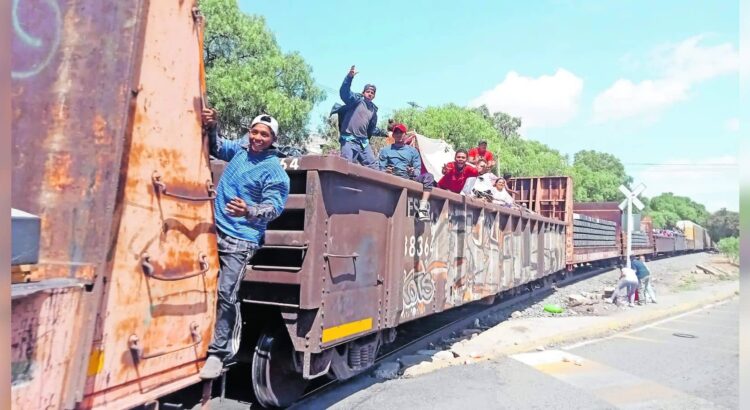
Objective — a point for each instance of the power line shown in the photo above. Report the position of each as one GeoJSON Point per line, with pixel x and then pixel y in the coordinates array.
{"type": "Point", "coordinates": [680, 164]}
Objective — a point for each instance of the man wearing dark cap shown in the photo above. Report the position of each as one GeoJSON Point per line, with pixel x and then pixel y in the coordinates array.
{"type": "Point", "coordinates": [480, 152]}
{"type": "Point", "coordinates": [404, 161]}
{"type": "Point", "coordinates": [358, 122]}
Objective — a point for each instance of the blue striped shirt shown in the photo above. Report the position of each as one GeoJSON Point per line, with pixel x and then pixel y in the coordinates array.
{"type": "Point", "coordinates": [257, 178]}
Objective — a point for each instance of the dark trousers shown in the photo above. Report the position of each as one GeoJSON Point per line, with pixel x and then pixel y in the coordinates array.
{"type": "Point", "coordinates": [228, 328]}
{"type": "Point", "coordinates": [355, 152]}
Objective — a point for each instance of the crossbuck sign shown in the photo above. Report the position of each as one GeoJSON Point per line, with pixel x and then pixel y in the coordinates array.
{"type": "Point", "coordinates": [631, 199]}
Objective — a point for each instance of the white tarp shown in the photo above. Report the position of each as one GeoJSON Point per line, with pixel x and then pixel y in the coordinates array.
{"type": "Point", "coordinates": [435, 153]}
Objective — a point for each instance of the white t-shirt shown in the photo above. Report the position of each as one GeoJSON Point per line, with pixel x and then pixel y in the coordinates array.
{"type": "Point", "coordinates": [629, 275]}
{"type": "Point", "coordinates": [501, 197]}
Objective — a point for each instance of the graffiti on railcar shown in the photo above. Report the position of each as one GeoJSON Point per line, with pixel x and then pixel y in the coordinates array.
{"type": "Point", "coordinates": [39, 42]}
{"type": "Point", "coordinates": [419, 285]}
{"type": "Point", "coordinates": [463, 255]}
{"type": "Point", "coordinates": [533, 256]}
{"type": "Point", "coordinates": [484, 249]}
{"type": "Point", "coordinates": [426, 257]}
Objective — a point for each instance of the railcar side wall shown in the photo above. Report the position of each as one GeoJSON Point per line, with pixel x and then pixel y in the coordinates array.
{"type": "Point", "coordinates": [368, 264]}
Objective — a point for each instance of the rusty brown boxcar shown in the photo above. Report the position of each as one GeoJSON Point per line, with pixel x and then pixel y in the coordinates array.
{"type": "Point", "coordinates": [347, 262]}
{"type": "Point", "coordinates": [108, 151]}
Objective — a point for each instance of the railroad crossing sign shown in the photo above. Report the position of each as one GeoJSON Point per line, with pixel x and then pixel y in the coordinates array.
{"type": "Point", "coordinates": [631, 198]}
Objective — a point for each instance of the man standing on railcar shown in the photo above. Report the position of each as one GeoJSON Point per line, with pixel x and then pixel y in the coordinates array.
{"type": "Point", "coordinates": [252, 192]}
{"type": "Point", "coordinates": [358, 119]}
{"type": "Point", "coordinates": [404, 161]}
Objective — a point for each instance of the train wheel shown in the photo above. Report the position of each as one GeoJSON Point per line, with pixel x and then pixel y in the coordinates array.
{"type": "Point", "coordinates": [276, 381]}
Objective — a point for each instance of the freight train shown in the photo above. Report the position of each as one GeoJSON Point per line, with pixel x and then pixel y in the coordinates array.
{"type": "Point", "coordinates": [116, 275]}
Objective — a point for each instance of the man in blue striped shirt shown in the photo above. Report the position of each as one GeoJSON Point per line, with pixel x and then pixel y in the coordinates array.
{"type": "Point", "coordinates": [252, 192]}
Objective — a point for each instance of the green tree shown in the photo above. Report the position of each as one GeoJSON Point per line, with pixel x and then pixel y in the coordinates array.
{"type": "Point", "coordinates": [598, 176]}
{"type": "Point", "coordinates": [465, 127]}
{"type": "Point", "coordinates": [731, 248]}
{"type": "Point", "coordinates": [723, 224]}
{"type": "Point", "coordinates": [248, 74]}
{"type": "Point", "coordinates": [462, 127]}
{"type": "Point", "coordinates": [519, 157]}
{"type": "Point", "coordinates": [668, 208]}
{"type": "Point", "coordinates": [506, 125]}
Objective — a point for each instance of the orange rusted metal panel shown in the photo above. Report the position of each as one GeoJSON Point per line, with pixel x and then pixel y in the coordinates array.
{"type": "Point", "coordinates": [157, 315]}
{"type": "Point", "coordinates": [107, 144]}
{"type": "Point", "coordinates": [72, 65]}
{"type": "Point", "coordinates": [46, 323]}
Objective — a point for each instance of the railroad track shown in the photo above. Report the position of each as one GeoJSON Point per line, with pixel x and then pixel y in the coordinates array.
{"type": "Point", "coordinates": [466, 317]}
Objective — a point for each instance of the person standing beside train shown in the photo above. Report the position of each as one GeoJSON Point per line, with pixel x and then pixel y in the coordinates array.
{"type": "Point", "coordinates": [646, 290]}
{"type": "Point", "coordinates": [251, 192]}
{"type": "Point", "coordinates": [358, 119]}
{"type": "Point", "coordinates": [404, 161]}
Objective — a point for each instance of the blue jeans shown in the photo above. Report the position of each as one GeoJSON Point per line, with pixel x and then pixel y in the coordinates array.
{"type": "Point", "coordinates": [228, 328]}
{"type": "Point", "coordinates": [356, 152]}
{"type": "Point", "coordinates": [646, 291]}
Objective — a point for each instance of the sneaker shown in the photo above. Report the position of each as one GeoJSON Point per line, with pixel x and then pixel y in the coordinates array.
{"type": "Point", "coordinates": [212, 368]}
{"type": "Point", "coordinates": [423, 215]}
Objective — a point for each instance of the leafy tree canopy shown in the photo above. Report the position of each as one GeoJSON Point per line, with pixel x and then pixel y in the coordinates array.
{"type": "Point", "coordinates": [723, 224]}
{"type": "Point", "coordinates": [465, 127]}
{"type": "Point", "coordinates": [248, 74]}
{"type": "Point", "coordinates": [597, 177]}
{"type": "Point", "coordinates": [668, 208]}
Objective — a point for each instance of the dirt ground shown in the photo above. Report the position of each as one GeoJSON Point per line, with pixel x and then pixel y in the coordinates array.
{"type": "Point", "coordinates": [669, 275]}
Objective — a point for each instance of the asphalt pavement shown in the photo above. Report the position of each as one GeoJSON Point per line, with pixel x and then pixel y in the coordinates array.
{"type": "Point", "coordinates": [687, 361]}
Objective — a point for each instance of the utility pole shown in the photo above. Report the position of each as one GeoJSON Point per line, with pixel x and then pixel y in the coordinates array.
{"type": "Point", "coordinates": [631, 198]}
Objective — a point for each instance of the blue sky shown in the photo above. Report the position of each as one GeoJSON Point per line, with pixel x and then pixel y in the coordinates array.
{"type": "Point", "coordinates": [650, 82]}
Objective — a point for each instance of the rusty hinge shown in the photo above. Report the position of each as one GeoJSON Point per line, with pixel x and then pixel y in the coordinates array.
{"type": "Point", "coordinates": [149, 270]}
{"type": "Point", "coordinates": [136, 350]}
{"type": "Point", "coordinates": [161, 188]}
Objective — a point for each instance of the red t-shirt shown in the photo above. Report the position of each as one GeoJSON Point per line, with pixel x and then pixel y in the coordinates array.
{"type": "Point", "coordinates": [454, 180]}
{"type": "Point", "coordinates": [474, 153]}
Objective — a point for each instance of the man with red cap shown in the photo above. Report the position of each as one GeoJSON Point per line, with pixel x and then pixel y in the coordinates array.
{"type": "Point", "coordinates": [403, 160]}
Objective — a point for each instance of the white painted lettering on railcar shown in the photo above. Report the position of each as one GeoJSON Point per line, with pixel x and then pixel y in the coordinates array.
{"type": "Point", "coordinates": [420, 246]}
{"type": "Point", "coordinates": [289, 163]}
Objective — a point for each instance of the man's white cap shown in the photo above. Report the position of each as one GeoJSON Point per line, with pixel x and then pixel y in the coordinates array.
{"type": "Point", "coordinates": [269, 121]}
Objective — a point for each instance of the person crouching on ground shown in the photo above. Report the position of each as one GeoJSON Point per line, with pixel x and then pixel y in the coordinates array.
{"type": "Point", "coordinates": [646, 290]}
{"type": "Point", "coordinates": [252, 192]}
{"type": "Point", "coordinates": [456, 173]}
{"type": "Point", "coordinates": [404, 161]}
{"type": "Point", "coordinates": [628, 282]}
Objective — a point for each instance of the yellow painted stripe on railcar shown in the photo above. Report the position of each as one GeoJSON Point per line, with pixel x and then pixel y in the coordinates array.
{"type": "Point", "coordinates": [347, 329]}
{"type": "Point", "coordinates": [96, 362]}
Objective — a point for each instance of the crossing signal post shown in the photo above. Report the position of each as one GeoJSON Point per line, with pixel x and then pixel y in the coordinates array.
{"type": "Point", "coordinates": [631, 199]}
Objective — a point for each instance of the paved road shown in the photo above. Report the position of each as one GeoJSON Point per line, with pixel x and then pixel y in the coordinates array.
{"type": "Point", "coordinates": [649, 367]}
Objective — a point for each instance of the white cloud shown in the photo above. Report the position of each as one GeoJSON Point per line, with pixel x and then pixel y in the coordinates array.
{"type": "Point", "coordinates": [545, 101]}
{"type": "Point", "coordinates": [732, 125]}
{"type": "Point", "coordinates": [627, 99]}
{"type": "Point", "coordinates": [682, 66]}
{"type": "Point", "coordinates": [713, 181]}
